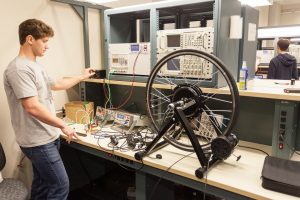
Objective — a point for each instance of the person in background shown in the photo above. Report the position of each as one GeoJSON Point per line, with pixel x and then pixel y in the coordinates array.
{"type": "Point", "coordinates": [284, 65]}
{"type": "Point", "coordinates": [37, 129]}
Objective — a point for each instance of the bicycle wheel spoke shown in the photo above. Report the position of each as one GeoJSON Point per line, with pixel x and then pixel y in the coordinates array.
{"type": "Point", "coordinates": [197, 83]}
{"type": "Point", "coordinates": [213, 117]}
{"type": "Point", "coordinates": [218, 110]}
{"type": "Point", "coordinates": [208, 140]}
{"type": "Point", "coordinates": [157, 81]}
{"type": "Point", "coordinates": [217, 116]}
{"type": "Point", "coordinates": [217, 99]}
{"type": "Point", "coordinates": [167, 79]}
{"type": "Point", "coordinates": [165, 98]}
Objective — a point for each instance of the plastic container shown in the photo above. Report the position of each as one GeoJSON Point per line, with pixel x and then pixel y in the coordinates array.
{"type": "Point", "coordinates": [243, 77]}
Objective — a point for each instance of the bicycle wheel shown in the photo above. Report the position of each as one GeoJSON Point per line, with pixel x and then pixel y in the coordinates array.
{"type": "Point", "coordinates": [193, 76]}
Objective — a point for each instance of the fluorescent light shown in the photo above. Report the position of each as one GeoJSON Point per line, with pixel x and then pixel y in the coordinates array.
{"type": "Point", "coordinates": [256, 3]}
{"type": "Point", "coordinates": [288, 31]}
{"type": "Point", "coordinates": [99, 2]}
{"type": "Point", "coordinates": [295, 39]}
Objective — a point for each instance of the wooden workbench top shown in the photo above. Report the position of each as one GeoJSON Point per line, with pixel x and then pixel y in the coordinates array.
{"type": "Point", "coordinates": [242, 177]}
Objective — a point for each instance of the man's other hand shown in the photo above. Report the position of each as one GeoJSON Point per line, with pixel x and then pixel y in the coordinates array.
{"type": "Point", "coordinates": [70, 133]}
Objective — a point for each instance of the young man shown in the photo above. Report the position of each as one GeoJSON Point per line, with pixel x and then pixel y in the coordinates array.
{"type": "Point", "coordinates": [28, 90]}
{"type": "Point", "coordinates": [284, 65]}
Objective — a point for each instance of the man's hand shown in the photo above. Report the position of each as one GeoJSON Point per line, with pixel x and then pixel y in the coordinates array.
{"type": "Point", "coordinates": [88, 72]}
{"type": "Point", "coordinates": [70, 133]}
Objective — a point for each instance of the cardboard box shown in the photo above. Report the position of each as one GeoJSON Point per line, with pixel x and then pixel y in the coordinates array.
{"type": "Point", "coordinates": [81, 112]}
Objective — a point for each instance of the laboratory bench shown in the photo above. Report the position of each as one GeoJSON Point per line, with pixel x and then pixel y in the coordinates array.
{"type": "Point", "coordinates": [264, 105]}
{"type": "Point", "coordinates": [229, 179]}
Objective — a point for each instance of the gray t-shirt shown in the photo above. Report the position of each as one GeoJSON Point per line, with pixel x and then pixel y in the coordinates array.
{"type": "Point", "coordinates": [26, 78]}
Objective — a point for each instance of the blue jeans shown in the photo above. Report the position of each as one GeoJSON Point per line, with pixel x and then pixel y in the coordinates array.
{"type": "Point", "coordinates": [50, 179]}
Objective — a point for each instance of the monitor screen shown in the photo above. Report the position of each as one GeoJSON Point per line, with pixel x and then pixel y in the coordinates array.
{"type": "Point", "coordinates": [135, 47]}
{"type": "Point", "coordinates": [119, 116]}
{"type": "Point", "coordinates": [173, 65]}
{"type": "Point", "coordinates": [173, 40]}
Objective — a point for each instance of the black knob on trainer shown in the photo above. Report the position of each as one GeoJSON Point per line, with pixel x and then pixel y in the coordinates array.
{"type": "Point", "coordinates": [139, 155]}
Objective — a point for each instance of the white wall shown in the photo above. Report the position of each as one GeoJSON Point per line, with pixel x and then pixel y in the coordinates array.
{"type": "Point", "coordinates": [65, 57]}
{"type": "Point", "coordinates": [263, 19]}
{"type": "Point", "coordinates": [290, 14]}
{"type": "Point", "coordinates": [274, 15]}
{"type": "Point", "coordinates": [279, 15]}
{"type": "Point", "coordinates": [121, 3]}
{"type": "Point", "coordinates": [290, 19]}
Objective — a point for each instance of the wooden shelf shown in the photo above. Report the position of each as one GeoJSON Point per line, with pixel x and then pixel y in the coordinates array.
{"type": "Point", "coordinates": [256, 88]}
{"type": "Point", "coordinates": [113, 82]}
{"type": "Point", "coordinates": [158, 86]}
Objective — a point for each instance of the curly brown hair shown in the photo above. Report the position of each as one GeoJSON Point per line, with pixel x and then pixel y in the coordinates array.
{"type": "Point", "coordinates": [36, 28]}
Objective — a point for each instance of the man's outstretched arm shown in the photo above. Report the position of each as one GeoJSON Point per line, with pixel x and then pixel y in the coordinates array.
{"type": "Point", "coordinates": [66, 83]}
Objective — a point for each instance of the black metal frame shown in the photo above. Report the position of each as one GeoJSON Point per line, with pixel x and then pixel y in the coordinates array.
{"type": "Point", "coordinates": [205, 161]}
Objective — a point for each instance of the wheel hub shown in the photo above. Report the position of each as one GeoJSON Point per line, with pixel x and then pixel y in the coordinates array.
{"type": "Point", "coordinates": [188, 93]}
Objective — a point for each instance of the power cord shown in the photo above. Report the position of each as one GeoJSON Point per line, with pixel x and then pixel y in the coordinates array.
{"type": "Point", "coordinates": [167, 170]}
{"type": "Point", "coordinates": [121, 104]}
{"type": "Point", "coordinates": [205, 183]}
{"type": "Point", "coordinates": [124, 167]}
{"type": "Point", "coordinates": [253, 149]}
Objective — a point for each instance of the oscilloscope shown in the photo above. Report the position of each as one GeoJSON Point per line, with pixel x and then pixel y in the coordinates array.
{"type": "Point", "coordinates": [191, 38]}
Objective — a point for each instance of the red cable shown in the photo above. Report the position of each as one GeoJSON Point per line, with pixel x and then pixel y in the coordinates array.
{"type": "Point", "coordinates": [131, 90]}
